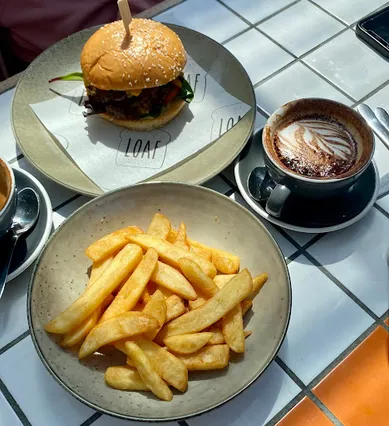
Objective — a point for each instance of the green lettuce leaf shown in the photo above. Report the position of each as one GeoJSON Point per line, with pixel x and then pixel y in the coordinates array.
{"type": "Point", "coordinates": [74, 76]}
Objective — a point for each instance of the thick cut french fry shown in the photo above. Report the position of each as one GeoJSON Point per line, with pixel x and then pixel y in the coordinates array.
{"type": "Point", "coordinates": [222, 280]}
{"type": "Point", "coordinates": [193, 304]}
{"type": "Point", "coordinates": [156, 307]}
{"type": "Point", "coordinates": [215, 308]}
{"type": "Point", "coordinates": [247, 333]}
{"type": "Point", "coordinates": [147, 373]}
{"type": "Point", "coordinates": [122, 265]}
{"type": "Point", "coordinates": [165, 291]}
{"type": "Point", "coordinates": [80, 332]}
{"type": "Point", "coordinates": [119, 327]}
{"type": "Point", "coordinates": [258, 282]}
{"type": "Point", "coordinates": [124, 378]}
{"type": "Point", "coordinates": [174, 307]}
{"type": "Point", "coordinates": [164, 363]}
{"type": "Point", "coordinates": [187, 343]}
{"type": "Point", "coordinates": [232, 328]}
{"type": "Point", "coordinates": [97, 269]}
{"type": "Point", "coordinates": [111, 243]}
{"type": "Point", "coordinates": [246, 305]}
{"type": "Point", "coordinates": [217, 335]}
{"type": "Point", "coordinates": [201, 252]}
{"type": "Point", "coordinates": [208, 358]}
{"type": "Point", "coordinates": [181, 238]}
{"type": "Point", "coordinates": [145, 295]}
{"type": "Point", "coordinates": [195, 275]}
{"type": "Point", "coordinates": [132, 290]}
{"type": "Point", "coordinates": [170, 253]}
{"type": "Point", "coordinates": [160, 226]}
{"type": "Point", "coordinates": [168, 277]}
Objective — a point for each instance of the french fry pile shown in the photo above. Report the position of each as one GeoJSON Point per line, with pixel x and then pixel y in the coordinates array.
{"type": "Point", "coordinates": [156, 296]}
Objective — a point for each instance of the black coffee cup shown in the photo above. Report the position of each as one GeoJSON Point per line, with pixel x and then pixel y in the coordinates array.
{"type": "Point", "coordinates": [291, 178]}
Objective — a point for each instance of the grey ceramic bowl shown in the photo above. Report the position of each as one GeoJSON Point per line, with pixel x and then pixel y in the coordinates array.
{"type": "Point", "coordinates": [60, 276]}
{"type": "Point", "coordinates": [64, 57]}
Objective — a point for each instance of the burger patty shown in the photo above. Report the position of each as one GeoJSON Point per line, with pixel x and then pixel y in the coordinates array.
{"type": "Point", "coordinates": [122, 105]}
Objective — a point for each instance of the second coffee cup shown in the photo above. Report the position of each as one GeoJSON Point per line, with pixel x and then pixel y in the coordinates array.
{"type": "Point", "coordinates": [314, 148]}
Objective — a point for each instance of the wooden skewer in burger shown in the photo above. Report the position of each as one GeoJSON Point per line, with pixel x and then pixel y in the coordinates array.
{"type": "Point", "coordinates": [132, 71]}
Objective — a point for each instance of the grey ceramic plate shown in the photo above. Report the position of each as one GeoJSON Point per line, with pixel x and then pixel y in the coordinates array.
{"type": "Point", "coordinates": [60, 276]}
{"type": "Point", "coordinates": [62, 58]}
{"type": "Point", "coordinates": [29, 247]}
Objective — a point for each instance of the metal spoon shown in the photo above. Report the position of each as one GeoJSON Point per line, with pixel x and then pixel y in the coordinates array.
{"type": "Point", "coordinates": [260, 184]}
{"type": "Point", "coordinates": [27, 212]}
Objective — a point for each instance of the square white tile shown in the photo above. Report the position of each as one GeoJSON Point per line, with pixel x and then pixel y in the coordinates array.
{"type": "Point", "coordinates": [13, 314]}
{"type": "Point", "coordinates": [206, 16]}
{"type": "Point", "coordinates": [296, 28]}
{"type": "Point", "coordinates": [379, 99]}
{"type": "Point", "coordinates": [323, 323]}
{"type": "Point", "coordinates": [218, 184]}
{"type": "Point", "coordinates": [57, 193]}
{"type": "Point", "coordinates": [350, 11]}
{"type": "Point", "coordinates": [255, 11]}
{"type": "Point", "coordinates": [112, 421]}
{"type": "Point", "coordinates": [384, 203]}
{"type": "Point", "coordinates": [356, 256]}
{"type": "Point", "coordinates": [295, 82]}
{"type": "Point", "coordinates": [7, 414]}
{"type": "Point", "coordinates": [40, 397]}
{"type": "Point", "coordinates": [8, 147]}
{"type": "Point", "coordinates": [63, 213]}
{"type": "Point", "coordinates": [350, 64]}
{"type": "Point", "coordinates": [287, 248]}
{"type": "Point", "coordinates": [258, 54]}
{"type": "Point", "coordinates": [257, 404]}
{"type": "Point", "coordinates": [260, 121]}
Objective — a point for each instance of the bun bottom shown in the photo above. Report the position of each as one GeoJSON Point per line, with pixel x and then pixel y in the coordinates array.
{"type": "Point", "coordinates": [147, 124]}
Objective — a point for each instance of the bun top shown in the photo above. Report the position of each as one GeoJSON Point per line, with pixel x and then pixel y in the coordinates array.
{"type": "Point", "coordinates": [151, 56]}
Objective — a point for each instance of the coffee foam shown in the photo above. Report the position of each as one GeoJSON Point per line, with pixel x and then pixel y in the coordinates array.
{"type": "Point", "coordinates": [316, 147]}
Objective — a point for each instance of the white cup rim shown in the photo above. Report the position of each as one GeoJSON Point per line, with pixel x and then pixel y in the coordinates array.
{"type": "Point", "coordinates": [281, 112]}
{"type": "Point", "coordinates": [13, 185]}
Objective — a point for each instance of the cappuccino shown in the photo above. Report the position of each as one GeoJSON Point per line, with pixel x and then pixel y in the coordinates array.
{"type": "Point", "coordinates": [316, 147]}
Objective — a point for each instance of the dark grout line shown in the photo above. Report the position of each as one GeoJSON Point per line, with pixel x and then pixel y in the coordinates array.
{"type": "Point", "coordinates": [308, 52]}
{"type": "Point", "coordinates": [14, 342]}
{"type": "Point", "coordinates": [288, 237]}
{"type": "Point", "coordinates": [284, 411]}
{"type": "Point", "coordinates": [370, 94]}
{"type": "Point", "coordinates": [66, 202]}
{"type": "Point", "coordinates": [275, 73]}
{"type": "Point", "coordinates": [262, 111]}
{"type": "Point", "coordinates": [91, 419]}
{"type": "Point", "coordinates": [229, 192]}
{"type": "Point", "coordinates": [306, 391]}
{"type": "Point", "coordinates": [183, 423]}
{"type": "Point", "coordinates": [314, 240]}
{"type": "Point", "coordinates": [235, 13]}
{"type": "Point", "coordinates": [276, 42]}
{"type": "Point", "coordinates": [15, 159]}
{"type": "Point", "coordinates": [384, 316]}
{"type": "Point", "coordinates": [329, 13]}
{"type": "Point", "coordinates": [227, 40]}
{"type": "Point", "coordinates": [14, 405]}
{"type": "Point", "coordinates": [323, 77]}
{"type": "Point", "coordinates": [261, 21]}
{"type": "Point", "coordinates": [228, 182]}
{"type": "Point", "coordinates": [293, 256]}
{"type": "Point", "coordinates": [381, 210]}
{"type": "Point", "coordinates": [340, 285]}
{"type": "Point", "coordinates": [338, 360]}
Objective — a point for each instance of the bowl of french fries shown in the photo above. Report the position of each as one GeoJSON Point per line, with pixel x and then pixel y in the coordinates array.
{"type": "Point", "coordinates": [159, 301]}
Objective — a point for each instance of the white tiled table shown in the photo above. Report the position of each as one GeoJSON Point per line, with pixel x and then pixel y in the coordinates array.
{"type": "Point", "coordinates": [340, 281]}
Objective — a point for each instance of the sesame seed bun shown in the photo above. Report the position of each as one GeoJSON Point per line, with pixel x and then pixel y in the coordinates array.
{"type": "Point", "coordinates": [153, 55]}
{"type": "Point", "coordinates": [147, 124]}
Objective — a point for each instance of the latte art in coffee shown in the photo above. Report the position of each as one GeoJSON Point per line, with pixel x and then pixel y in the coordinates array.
{"type": "Point", "coordinates": [316, 147]}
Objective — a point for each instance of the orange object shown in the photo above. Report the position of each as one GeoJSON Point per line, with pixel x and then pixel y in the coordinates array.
{"type": "Point", "coordinates": [387, 321]}
{"type": "Point", "coordinates": [356, 391]}
{"type": "Point", "coordinates": [305, 413]}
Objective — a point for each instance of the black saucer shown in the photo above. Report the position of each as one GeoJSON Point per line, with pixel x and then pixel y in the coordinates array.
{"type": "Point", "coordinates": [302, 214]}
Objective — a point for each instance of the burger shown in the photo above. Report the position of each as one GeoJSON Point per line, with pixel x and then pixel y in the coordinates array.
{"type": "Point", "coordinates": [134, 80]}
